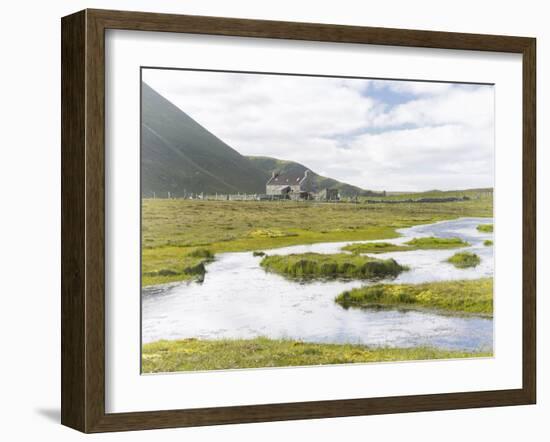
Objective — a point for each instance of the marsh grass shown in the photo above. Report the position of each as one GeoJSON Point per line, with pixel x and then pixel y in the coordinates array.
{"type": "Point", "coordinates": [436, 243]}
{"type": "Point", "coordinates": [271, 233]}
{"type": "Point", "coordinates": [323, 266]}
{"type": "Point", "coordinates": [375, 247]}
{"type": "Point", "coordinates": [183, 266]}
{"type": "Point", "coordinates": [486, 228]}
{"type": "Point", "coordinates": [201, 253]}
{"type": "Point", "coordinates": [171, 228]}
{"type": "Point", "coordinates": [465, 296]}
{"type": "Point", "coordinates": [193, 354]}
{"type": "Point", "coordinates": [414, 244]}
{"type": "Point", "coordinates": [463, 260]}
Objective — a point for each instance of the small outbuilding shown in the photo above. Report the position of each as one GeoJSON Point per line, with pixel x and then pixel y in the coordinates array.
{"type": "Point", "coordinates": [327, 195]}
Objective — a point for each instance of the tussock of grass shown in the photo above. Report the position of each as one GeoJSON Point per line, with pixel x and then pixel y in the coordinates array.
{"type": "Point", "coordinates": [486, 228]}
{"type": "Point", "coordinates": [464, 260]}
{"type": "Point", "coordinates": [258, 253]}
{"type": "Point", "coordinates": [467, 296]}
{"type": "Point", "coordinates": [432, 242]}
{"type": "Point", "coordinates": [193, 354]}
{"type": "Point", "coordinates": [487, 242]}
{"type": "Point", "coordinates": [375, 247]}
{"type": "Point", "coordinates": [340, 265]}
{"type": "Point", "coordinates": [413, 244]}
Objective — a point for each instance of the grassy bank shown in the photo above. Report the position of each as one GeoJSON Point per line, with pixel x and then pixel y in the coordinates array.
{"type": "Point", "coordinates": [486, 228]}
{"type": "Point", "coordinates": [413, 244]}
{"type": "Point", "coordinates": [467, 296]}
{"type": "Point", "coordinates": [173, 228]}
{"type": "Point", "coordinates": [192, 354]}
{"type": "Point", "coordinates": [188, 265]}
{"type": "Point", "coordinates": [463, 260]}
{"type": "Point", "coordinates": [338, 265]}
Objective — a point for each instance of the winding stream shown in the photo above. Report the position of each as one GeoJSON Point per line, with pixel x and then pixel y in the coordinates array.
{"type": "Point", "coordinates": [238, 299]}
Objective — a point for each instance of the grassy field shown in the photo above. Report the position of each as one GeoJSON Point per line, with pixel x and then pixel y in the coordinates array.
{"type": "Point", "coordinates": [173, 229]}
{"type": "Point", "coordinates": [338, 265]}
{"type": "Point", "coordinates": [192, 354]}
{"type": "Point", "coordinates": [467, 296]}
{"type": "Point", "coordinates": [413, 244]}
{"type": "Point", "coordinates": [463, 260]}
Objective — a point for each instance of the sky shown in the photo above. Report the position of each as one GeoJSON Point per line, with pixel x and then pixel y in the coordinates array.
{"type": "Point", "coordinates": [393, 135]}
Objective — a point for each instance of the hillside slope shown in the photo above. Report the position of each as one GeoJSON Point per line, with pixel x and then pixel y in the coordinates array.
{"type": "Point", "coordinates": [179, 155]}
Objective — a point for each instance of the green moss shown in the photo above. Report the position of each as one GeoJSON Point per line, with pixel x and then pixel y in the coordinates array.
{"type": "Point", "coordinates": [341, 265]}
{"type": "Point", "coordinates": [486, 228]}
{"type": "Point", "coordinates": [193, 354]}
{"type": "Point", "coordinates": [464, 260]}
{"type": "Point", "coordinates": [467, 296]}
{"type": "Point", "coordinates": [487, 242]}
{"type": "Point", "coordinates": [413, 244]}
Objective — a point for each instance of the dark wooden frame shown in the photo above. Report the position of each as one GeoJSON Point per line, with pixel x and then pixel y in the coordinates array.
{"type": "Point", "coordinates": [83, 216]}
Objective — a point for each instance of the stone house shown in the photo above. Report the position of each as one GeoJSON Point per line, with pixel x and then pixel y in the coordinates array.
{"type": "Point", "coordinates": [287, 184]}
{"type": "Point", "coordinates": [296, 185]}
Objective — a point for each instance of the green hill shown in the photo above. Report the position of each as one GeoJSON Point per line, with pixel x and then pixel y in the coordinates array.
{"type": "Point", "coordinates": [179, 155]}
{"type": "Point", "coordinates": [315, 182]}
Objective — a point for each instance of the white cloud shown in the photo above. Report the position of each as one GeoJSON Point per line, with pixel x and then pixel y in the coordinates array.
{"type": "Point", "coordinates": [468, 107]}
{"type": "Point", "coordinates": [414, 87]}
{"type": "Point", "coordinates": [440, 137]}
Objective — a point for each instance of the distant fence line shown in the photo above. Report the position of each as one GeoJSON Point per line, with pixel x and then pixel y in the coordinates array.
{"type": "Point", "coordinates": [236, 197]}
{"type": "Point", "coordinates": [216, 196]}
{"type": "Point", "coordinates": [419, 200]}
{"type": "Point", "coordinates": [266, 197]}
{"type": "Point", "coordinates": [239, 197]}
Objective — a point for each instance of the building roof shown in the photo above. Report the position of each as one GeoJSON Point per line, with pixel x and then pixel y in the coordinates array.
{"type": "Point", "coordinates": [286, 178]}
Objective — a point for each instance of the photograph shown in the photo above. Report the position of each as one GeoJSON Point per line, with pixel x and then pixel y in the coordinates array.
{"type": "Point", "coordinates": [304, 220]}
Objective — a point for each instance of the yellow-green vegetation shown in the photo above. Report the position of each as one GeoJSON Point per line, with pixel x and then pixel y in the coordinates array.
{"type": "Point", "coordinates": [338, 265]}
{"type": "Point", "coordinates": [436, 243]}
{"type": "Point", "coordinates": [375, 247]}
{"type": "Point", "coordinates": [193, 354]}
{"type": "Point", "coordinates": [485, 228]}
{"type": "Point", "coordinates": [464, 260]}
{"type": "Point", "coordinates": [487, 242]}
{"type": "Point", "coordinates": [189, 265]}
{"type": "Point", "coordinates": [413, 244]}
{"type": "Point", "coordinates": [173, 228]}
{"type": "Point", "coordinates": [465, 296]}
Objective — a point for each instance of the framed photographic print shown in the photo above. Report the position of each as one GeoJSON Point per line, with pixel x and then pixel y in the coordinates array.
{"type": "Point", "coordinates": [270, 220]}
